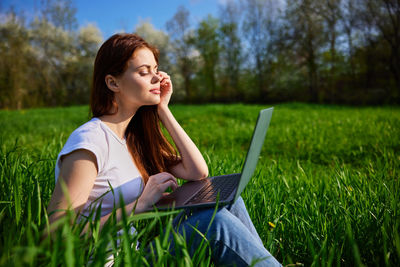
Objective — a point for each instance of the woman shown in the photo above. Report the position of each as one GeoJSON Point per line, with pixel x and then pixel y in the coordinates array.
{"type": "Point", "coordinates": [123, 146]}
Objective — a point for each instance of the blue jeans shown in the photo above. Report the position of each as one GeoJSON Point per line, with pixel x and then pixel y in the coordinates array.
{"type": "Point", "coordinates": [231, 235]}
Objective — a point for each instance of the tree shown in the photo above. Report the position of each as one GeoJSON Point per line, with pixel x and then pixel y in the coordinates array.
{"type": "Point", "coordinates": [43, 64]}
{"type": "Point", "coordinates": [53, 47]}
{"type": "Point", "coordinates": [159, 39]}
{"type": "Point", "coordinates": [260, 28]}
{"type": "Point", "coordinates": [182, 48]}
{"type": "Point", "coordinates": [307, 35]}
{"type": "Point", "coordinates": [384, 16]}
{"type": "Point", "coordinates": [77, 73]}
{"type": "Point", "coordinates": [60, 13]}
{"type": "Point", "coordinates": [14, 63]}
{"type": "Point", "coordinates": [349, 20]}
{"type": "Point", "coordinates": [330, 11]}
{"type": "Point", "coordinates": [231, 50]}
{"type": "Point", "coordinates": [207, 43]}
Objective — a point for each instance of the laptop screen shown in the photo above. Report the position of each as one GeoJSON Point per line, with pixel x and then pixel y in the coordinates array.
{"type": "Point", "coordinates": [257, 141]}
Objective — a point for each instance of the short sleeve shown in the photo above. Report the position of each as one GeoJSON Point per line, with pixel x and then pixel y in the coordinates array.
{"type": "Point", "coordinates": [88, 138]}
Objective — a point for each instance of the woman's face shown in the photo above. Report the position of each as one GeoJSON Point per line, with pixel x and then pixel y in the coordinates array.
{"type": "Point", "coordinates": [139, 85]}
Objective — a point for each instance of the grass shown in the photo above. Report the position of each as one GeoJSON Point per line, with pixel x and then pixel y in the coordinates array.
{"type": "Point", "coordinates": [325, 192]}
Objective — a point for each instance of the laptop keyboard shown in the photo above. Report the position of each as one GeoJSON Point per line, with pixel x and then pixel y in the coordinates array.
{"type": "Point", "coordinates": [222, 184]}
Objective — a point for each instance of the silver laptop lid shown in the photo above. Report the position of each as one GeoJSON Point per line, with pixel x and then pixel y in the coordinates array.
{"type": "Point", "coordinates": [250, 164]}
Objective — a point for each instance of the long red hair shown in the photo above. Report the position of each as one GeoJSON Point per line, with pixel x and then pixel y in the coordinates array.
{"type": "Point", "coordinates": [150, 149]}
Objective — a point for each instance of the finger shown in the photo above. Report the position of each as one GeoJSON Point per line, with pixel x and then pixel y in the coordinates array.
{"type": "Point", "coordinates": [164, 76]}
{"type": "Point", "coordinates": [162, 73]}
{"type": "Point", "coordinates": [165, 79]}
{"type": "Point", "coordinates": [173, 182]}
{"type": "Point", "coordinates": [174, 186]}
{"type": "Point", "coordinates": [164, 186]}
{"type": "Point", "coordinates": [162, 177]}
{"type": "Point", "coordinates": [165, 177]}
{"type": "Point", "coordinates": [165, 84]}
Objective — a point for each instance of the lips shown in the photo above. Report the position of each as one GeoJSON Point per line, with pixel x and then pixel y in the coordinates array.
{"type": "Point", "coordinates": [155, 91]}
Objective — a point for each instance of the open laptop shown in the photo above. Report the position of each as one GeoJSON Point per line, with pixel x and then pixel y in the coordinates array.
{"type": "Point", "coordinates": [225, 188]}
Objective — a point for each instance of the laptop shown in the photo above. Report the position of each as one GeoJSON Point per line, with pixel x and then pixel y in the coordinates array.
{"type": "Point", "coordinates": [224, 189]}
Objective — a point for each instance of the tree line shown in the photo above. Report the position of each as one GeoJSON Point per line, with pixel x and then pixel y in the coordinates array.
{"type": "Point", "coordinates": [322, 51]}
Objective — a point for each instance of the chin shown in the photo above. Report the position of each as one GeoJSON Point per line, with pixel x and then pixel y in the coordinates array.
{"type": "Point", "coordinates": [153, 102]}
{"type": "Point", "coordinates": [158, 100]}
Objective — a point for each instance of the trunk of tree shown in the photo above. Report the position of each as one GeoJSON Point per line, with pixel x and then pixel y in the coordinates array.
{"type": "Point", "coordinates": [395, 69]}
{"type": "Point", "coordinates": [312, 69]}
{"type": "Point", "coordinates": [333, 65]}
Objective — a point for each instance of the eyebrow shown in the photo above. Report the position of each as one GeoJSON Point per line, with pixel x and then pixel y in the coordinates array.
{"type": "Point", "coordinates": [147, 66]}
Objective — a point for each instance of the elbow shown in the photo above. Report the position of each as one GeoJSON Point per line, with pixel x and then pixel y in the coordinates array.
{"type": "Point", "coordinates": [193, 173]}
{"type": "Point", "coordinates": [197, 174]}
{"type": "Point", "coordinates": [203, 173]}
{"type": "Point", "coordinates": [206, 173]}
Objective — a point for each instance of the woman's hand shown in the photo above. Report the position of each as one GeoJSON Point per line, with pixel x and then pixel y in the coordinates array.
{"type": "Point", "coordinates": [165, 88]}
{"type": "Point", "coordinates": [155, 189]}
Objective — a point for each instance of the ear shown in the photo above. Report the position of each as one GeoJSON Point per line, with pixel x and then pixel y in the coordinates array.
{"type": "Point", "coordinates": [112, 83]}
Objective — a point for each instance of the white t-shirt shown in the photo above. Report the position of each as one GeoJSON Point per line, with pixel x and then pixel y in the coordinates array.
{"type": "Point", "coordinates": [115, 166]}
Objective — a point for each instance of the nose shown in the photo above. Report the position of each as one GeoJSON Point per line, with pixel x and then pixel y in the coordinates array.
{"type": "Point", "coordinates": [157, 77]}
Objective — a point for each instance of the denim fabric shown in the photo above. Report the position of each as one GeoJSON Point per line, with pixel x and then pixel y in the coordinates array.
{"type": "Point", "coordinates": [232, 237]}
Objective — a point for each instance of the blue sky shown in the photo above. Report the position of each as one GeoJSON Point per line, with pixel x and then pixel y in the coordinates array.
{"type": "Point", "coordinates": [124, 14]}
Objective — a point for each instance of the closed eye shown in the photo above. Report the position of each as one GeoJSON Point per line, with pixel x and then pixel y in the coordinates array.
{"type": "Point", "coordinates": [145, 69]}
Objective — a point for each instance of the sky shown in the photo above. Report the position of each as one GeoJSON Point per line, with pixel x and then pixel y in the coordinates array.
{"type": "Point", "coordinates": [124, 15]}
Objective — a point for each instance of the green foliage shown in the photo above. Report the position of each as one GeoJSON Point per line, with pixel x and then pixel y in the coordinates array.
{"type": "Point", "coordinates": [208, 45]}
{"type": "Point", "coordinates": [325, 191]}
{"type": "Point", "coordinates": [331, 51]}
{"type": "Point", "coordinates": [46, 62]}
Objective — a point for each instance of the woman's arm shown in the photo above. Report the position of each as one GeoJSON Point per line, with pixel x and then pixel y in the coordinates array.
{"type": "Point", "coordinates": [78, 172]}
{"type": "Point", "coordinates": [192, 165]}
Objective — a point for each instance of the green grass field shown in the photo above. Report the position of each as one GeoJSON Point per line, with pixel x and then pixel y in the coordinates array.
{"type": "Point", "coordinates": [325, 192]}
